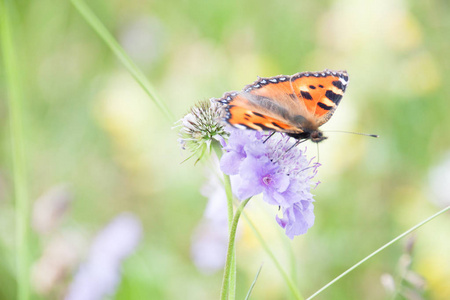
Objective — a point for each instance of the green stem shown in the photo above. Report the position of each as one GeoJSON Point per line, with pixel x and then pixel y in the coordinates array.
{"type": "Point", "coordinates": [295, 292]}
{"type": "Point", "coordinates": [379, 250]}
{"type": "Point", "coordinates": [230, 253]}
{"type": "Point", "coordinates": [101, 30]}
{"type": "Point", "coordinates": [22, 207]}
{"type": "Point", "coordinates": [227, 185]}
{"type": "Point", "coordinates": [232, 287]}
{"type": "Point", "coordinates": [229, 193]}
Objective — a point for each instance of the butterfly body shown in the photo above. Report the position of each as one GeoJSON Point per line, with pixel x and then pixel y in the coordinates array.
{"type": "Point", "coordinates": [296, 105]}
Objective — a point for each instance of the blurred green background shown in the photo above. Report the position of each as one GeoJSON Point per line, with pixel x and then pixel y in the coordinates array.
{"type": "Point", "coordinates": [91, 128]}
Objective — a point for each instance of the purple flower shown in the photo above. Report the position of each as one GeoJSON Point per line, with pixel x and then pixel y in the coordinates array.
{"type": "Point", "coordinates": [283, 177]}
{"type": "Point", "coordinates": [100, 274]}
{"type": "Point", "coordinates": [261, 175]}
{"type": "Point", "coordinates": [297, 218]}
{"type": "Point", "coordinates": [235, 152]}
{"type": "Point", "coordinates": [210, 239]}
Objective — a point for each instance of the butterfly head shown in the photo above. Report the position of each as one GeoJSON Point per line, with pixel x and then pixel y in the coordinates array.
{"type": "Point", "coordinates": [317, 136]}
{"type": "Point", "coordinates": [314, 135]}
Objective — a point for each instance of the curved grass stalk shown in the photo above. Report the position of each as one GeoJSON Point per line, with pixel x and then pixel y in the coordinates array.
{"type": "Point", "coordinates": [111, 42]}
{"type": "Point", "coordinates": [378, 251]}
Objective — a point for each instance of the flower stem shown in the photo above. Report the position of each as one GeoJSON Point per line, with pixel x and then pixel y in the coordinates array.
{"type": "Point", "coordinates": [379, 250]}
{"type": "Point", "coordinates": [137, 74]}
{"type": "Point", "coordinates": [229, 194]}
{"type": "Point", "coordinates": [227, 185]}
{"type": "Point", "coordinates": [22, 206]}
{"type": "Point", "coordinates": [232, 287]}
{"type": "Point", "coordinates": [230, 253]}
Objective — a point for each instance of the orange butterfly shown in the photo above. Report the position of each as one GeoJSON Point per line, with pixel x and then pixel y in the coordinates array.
{"type": "Point", "coordinates": [296, 105]}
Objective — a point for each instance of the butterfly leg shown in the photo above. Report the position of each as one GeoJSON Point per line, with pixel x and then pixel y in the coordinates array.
{"type": "Point", "coordinates": [269, 136]}
{"type": "Point", "coordinates": [298, 142]}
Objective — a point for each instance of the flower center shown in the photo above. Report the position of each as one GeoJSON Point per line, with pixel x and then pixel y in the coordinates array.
{"type": "Point", "coordinates": [267, 180]}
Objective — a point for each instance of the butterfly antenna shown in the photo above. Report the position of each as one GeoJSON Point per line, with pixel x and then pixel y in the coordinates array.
{"type": "Point", "coordinates": [358, 133]}
{"type": "Point", "coordinates": [269, 136]}
{"type": "Point", "coordinates": [318, 153]}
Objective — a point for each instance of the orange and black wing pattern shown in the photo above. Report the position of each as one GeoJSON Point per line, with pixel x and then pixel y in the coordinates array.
{"type": "Point", "coordinates": [286, 103]}
{"type": "Point", "coordinates": [320, 92]}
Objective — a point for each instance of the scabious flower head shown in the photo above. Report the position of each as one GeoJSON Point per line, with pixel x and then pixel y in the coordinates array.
{"type": "Point", "coordinates": [284, 176]}
{"type": "Point", "coordinates": [100, 274]}
{"type": "Point", "coordinates": [200, 127]}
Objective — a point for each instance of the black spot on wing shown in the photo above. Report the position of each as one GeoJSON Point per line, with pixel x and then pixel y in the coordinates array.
{"type": "Point", "coordinates": [306, 95]}
{"type": "Point", "coordinates": [324, 106]}
{"type": "Point", "coordinates": [247, 115]}
{"type": "Point", "coordinates": [333, 96]}
{"type": "Point", "coordinates": [312, 87]}
{"type": "Point", "coordinates": [262, 126]}
{"type": "Point", "coordinates": [276, 125]}
{"type": "Point", "coordinates": [258, 114]}
{"type": "Point", "coordinates": [339, 85]}
{"type": "Point", "coordinates": [321, 86]}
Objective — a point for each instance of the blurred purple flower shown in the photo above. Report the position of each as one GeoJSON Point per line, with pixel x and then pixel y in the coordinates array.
{"type": "Point", "coordinates": [100, 274]}
{"type": "Point", "coordinates": [210, 239]}
{"type": "Point", "coordinates": [283, 177]}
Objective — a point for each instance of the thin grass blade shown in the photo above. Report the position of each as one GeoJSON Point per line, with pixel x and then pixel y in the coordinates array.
{"type": "Point", "coordinates": [378, 251]}
{"type": "Point", "coordinates": [15, 103]}
{"type": "Point", "coordinates": [253, 283]}
{"type": "Point", "coordinates": [107, 37]}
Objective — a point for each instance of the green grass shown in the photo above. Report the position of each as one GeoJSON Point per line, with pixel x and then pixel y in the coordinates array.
{"type": "Point", "coordinates": [91, 125]}
{"type": "Point", "coordinates": [14, 86]}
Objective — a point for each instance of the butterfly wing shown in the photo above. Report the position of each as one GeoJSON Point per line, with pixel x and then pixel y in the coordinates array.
{"type": "Point", "coordinates": [267, 104]}
{"type": "Point", "coordinates": [320, 92]}
{"type": "Point", "coordinates": [286, 103]}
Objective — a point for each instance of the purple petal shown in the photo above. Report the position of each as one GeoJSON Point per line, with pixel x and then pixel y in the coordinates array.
{"type": "Point", "coordinates": [230, 162]}
{"type": "Point", "coordinates": [256, 149]}
{"type": "Point", "coordinates": [297, 219]}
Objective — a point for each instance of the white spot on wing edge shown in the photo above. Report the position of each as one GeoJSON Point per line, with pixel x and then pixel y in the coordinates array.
{"type": "Point", "coordinates": [344, 82]}
{"type": "Point", "coordinates": [239, 126]}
